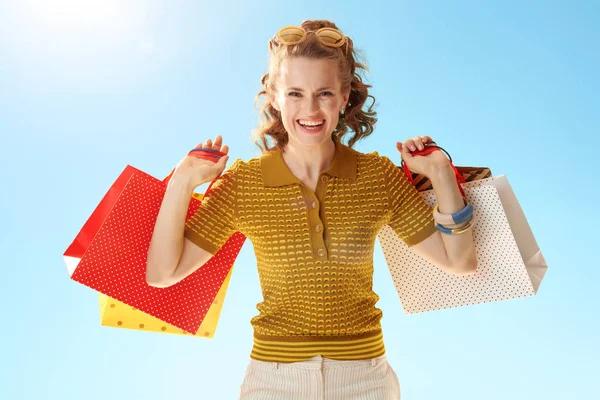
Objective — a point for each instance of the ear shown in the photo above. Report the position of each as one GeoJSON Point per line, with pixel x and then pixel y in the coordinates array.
{"type": "Point", "coordinates": [346, 96]}
{"type": "Point", "coordinates": [273, 101]}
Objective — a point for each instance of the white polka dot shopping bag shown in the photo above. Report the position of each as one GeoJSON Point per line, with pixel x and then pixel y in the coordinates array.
{"type": "Point", "coordinates": [510, 265]}
{"type": "Point", "coordinates": [109, 255]}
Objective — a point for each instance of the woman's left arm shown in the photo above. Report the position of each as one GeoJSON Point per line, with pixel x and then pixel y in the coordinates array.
{"type": "Point", "coordinates": [452, 253]}
{"type": "Point", "coordinates": [460, 248]}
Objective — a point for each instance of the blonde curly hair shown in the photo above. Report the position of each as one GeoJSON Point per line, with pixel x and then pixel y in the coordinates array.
{"type": "Point", "coordinates": [360, 121]}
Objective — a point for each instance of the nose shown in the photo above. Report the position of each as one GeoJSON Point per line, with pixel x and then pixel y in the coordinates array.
{"type": "Point", "coordinates": [313, 105]}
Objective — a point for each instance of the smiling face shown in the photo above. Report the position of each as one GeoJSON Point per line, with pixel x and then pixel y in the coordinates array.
{"type": "Point", "coordinates": [309, 98]}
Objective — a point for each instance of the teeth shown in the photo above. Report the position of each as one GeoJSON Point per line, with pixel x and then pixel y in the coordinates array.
{"type": "Point", "coordinates": [311, 123]}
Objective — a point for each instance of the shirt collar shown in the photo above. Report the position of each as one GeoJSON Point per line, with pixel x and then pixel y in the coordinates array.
{"type": "Point", "coordinates": [275, 171]}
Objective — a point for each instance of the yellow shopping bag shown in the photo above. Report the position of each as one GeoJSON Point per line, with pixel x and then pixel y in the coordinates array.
{"type": "Point", "coordinates": [113, 313]}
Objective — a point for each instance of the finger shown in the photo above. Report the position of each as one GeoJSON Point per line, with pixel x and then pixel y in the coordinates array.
{"type": "Point", "coordinates": [222, 162]}
{"type": "Point", "coordinates": [404, 151]}
{"type": "Point", "coordinates": [208, 143]}
{"type": "Point", "coordinates": [410, 144]}
{"type": "Point", "coordinates": [418, 142]}
{"type": "Point", "coordinates": [224, 149]}
{"type": "Point", "coordinates": [426, 139]}
{"type": "Point", "coordinates": [218, 142]}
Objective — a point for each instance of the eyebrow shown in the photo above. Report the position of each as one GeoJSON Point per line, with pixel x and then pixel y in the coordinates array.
{"type": "Point", "coordinates": [318, 90]}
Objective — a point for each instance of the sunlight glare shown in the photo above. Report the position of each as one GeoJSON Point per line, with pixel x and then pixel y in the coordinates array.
{"type": "Point", "coordinates": [86, 42]}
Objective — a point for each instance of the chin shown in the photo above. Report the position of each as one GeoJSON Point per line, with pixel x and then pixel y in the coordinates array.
{"type": "Point", "coordinates": [313, 140]}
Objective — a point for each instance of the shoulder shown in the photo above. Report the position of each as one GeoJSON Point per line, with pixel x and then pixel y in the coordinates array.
{"type": "Point", "coordinates": [236, 166]}
{"type": "Point", "coordinates": [251, 166]}
{"type": "Point", "coordinates": [374, 161]}
{"type": "Point", "coordinates": [240, 170]}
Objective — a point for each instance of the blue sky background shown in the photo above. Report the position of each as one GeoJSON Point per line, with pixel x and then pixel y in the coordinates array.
{"type": "Point", "coordinates": [87, 87]}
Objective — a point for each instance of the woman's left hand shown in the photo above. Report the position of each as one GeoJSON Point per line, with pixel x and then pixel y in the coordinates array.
{"type": "Point", "coordinates": [425, 165]}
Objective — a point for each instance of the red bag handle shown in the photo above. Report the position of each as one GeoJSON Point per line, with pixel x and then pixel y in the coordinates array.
{"type": "Point", "coordinates": [205, 154]}
{"type": "Point", "coordinates": [430, 148]}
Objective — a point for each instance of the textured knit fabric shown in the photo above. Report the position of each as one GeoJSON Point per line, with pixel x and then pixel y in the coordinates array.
{"type": "Point", "coordinates": [314, 250]}
{"type": "Point", "coordinates": [321, 378]}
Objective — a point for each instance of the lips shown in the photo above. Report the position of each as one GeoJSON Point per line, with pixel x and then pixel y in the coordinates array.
{"type": "Point", "coordinates": [310, 130]}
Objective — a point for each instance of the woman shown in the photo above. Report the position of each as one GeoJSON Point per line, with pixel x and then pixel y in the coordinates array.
{"type": "Point", "coordinates": [312, 208]}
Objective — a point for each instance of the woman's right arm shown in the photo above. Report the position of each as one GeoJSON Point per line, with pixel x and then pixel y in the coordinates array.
{"type": "Point", "coordinates": [171, 256]}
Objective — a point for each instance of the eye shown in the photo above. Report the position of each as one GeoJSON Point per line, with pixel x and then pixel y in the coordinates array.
{"type": "Point", "coordinates": [294, 94]}
{"type": "Point", "coordinates": [327, 94]}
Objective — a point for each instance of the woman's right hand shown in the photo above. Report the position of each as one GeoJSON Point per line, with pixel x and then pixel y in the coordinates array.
{"type": "Point", "coordinates": [196, 171]}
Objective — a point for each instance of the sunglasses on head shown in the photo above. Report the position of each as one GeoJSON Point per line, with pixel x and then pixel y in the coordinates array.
{"type": "Point", "coordinates": [291, 35]}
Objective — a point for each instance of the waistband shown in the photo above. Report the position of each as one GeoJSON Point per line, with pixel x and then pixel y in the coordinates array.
{"type": "Point", "coordinates": [319, 363]}
{"type": "Point", "coordinates": [292, 349]}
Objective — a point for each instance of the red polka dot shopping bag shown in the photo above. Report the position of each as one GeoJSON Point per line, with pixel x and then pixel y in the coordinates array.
{"type": "Point", "coordinates": [109, 255]}
{"type": "Point", "coordinates": [510, 262]}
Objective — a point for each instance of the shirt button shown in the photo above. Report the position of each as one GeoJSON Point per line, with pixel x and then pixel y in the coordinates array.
{"type": "Point", "coordinates": [314, 204]}
{"type": "Point", "coordinates": [324, 179]}
{"type": "Point", "coordinates": [321, 252]}
{"type": "Point", "coordinates": [318, 228]}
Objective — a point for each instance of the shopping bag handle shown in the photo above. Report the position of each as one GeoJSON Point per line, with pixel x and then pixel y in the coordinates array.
{"type": "Point", "coordinates": [430, 148]}
{"type": "Point", "coordinates": [205, 154]}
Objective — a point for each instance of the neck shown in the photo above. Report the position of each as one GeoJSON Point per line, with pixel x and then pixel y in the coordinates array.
{"type": "Point", "coordinates": [309, 162]}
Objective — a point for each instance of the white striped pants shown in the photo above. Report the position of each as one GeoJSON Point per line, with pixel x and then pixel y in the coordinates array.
{"type": "Point", "coordinates": [321, 379]}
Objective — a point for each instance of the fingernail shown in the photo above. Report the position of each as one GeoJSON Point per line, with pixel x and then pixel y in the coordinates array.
{"type": "Point", "coordinates": [413, 148]}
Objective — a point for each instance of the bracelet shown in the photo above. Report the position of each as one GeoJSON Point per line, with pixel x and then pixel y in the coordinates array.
{"type": "Point", "coordinates": [458, 217]}
{"type": "Point", "coordinates": [455, 231]}
{"type": "Point", "coordinates": [455, 226]}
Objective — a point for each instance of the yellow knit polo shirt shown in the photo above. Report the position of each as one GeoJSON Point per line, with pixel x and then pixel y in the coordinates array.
{"type": "Point", "coordinates": [314, 250]}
